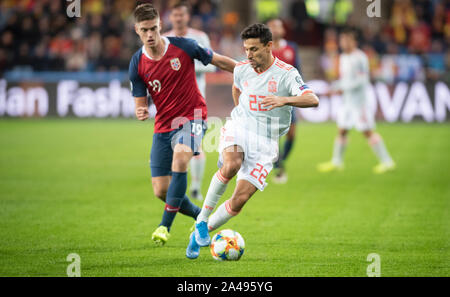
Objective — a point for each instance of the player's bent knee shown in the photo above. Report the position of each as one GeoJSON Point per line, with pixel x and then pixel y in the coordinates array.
{"type": "Point", "coordinates": [180, 165]}
{"type": "Point", "coordinates": [231, 167]}
{"type": "Point", "coordinates": [160, 193]}
{"type": "Point", "coordinates": [160, 186]}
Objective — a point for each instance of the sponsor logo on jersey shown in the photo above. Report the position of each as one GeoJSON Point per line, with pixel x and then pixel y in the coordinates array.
{"type": "Point", "coordinates": [175, 64]}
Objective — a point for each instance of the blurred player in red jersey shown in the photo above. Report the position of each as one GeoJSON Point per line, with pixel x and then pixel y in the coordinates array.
{"type": "Point", "coordinates": [164, 67]}
{"type": "Point", "coordinates": [179, 18]}
{"type": "Point", "coordinates": [287, 52]}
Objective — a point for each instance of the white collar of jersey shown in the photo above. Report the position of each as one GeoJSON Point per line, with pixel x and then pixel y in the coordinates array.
{"type": "Point", "coordinates": [275, 60]}
{"type": "Point", "coordinates": [167, 42]}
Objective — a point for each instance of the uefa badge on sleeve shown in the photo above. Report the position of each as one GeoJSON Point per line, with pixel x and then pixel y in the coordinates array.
{"type": "Point", "coordinates": [175, 64]}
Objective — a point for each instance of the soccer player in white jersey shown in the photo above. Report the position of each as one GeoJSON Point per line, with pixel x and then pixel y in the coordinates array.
{"type": "Point", "coordinates": [179, 18]}
{"type": "Point", "coordinates": [354, 111]}
{"type": "Point", "coordinates": [265, 90]}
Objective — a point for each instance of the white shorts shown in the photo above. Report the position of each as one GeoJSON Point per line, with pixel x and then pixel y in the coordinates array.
{"type": "Point", "coordinates": [361, 118]}
{"type": "Point", "coordinates": [259, 153]}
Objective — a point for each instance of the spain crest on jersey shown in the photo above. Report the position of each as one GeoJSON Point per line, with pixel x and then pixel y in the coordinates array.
{"type": "Point", "coordinates": [272, 86]}
{"type": "Point", "coordinates": [175, 64]}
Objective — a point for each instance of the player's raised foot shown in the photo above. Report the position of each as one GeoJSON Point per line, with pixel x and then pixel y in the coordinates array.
{"type": "Point", "coordinates": [280, 177]}
{"type": "Point", "coordinates": [193, 249]}
{"type": "Point", "coordinates": [161, 235]}
{"type": "Point", "coordinates": [196, 195]}
{"type": "Point", "coordinates": [329, 167]}
{"type": "Point", "coordinates": [384, 167]}
{"type": "Point", "coordinates": [202, 234]}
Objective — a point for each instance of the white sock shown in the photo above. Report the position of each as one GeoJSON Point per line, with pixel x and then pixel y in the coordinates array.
{"type": "Point", "coordinates": [378, 147]}
{"type": "Point", "coordinates": [340, 144]}
{"type": "Point", "coordinates": [222, 215]}
{"type": "Point", "coordinates": [216, 189]}
{"type": "Point", "coordinates": [197, 169]}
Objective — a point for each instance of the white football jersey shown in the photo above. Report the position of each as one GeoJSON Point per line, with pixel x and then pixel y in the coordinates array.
{"type": "Point", "coordinates": [280, 79]}
{"type": "Point", "coordinates": [200, 69]}
{"type": "Point", "coordinates": [354, 78]}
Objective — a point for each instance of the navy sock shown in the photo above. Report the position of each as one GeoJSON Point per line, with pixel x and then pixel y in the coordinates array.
{"type": "Point", "coordinates": [287, 149]}
{"type": "Point", "coordinates": [277, 163]}
{"type": "Point", "coordinates": [174, 198]}
{"type": "Point", "coordinates": [189, 209]}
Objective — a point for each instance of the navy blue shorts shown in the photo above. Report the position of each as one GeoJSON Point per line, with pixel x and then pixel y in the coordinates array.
{"type": "Point", "coordinates": [161, 155]}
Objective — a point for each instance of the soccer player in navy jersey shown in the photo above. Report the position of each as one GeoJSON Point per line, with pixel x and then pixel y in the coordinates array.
{"type": "Point", "coordinates": [287, 52]}
{"type": "Point", "coordinates": [164, 67]}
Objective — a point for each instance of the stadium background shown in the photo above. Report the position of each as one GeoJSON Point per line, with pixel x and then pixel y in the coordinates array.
{"type": "Point", "coordinates": [41, 47]}
{"type": "Point", "coordinates": [81, 185]}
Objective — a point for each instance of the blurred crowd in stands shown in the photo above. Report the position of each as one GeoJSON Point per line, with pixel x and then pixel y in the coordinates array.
{"type": "Point", "coordinates": [411, 43]}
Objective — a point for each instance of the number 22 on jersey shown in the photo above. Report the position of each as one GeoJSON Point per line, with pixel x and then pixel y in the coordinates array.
{"type": "Point", "coordinates": [255, 105]}
{"type": "Point", "coordinates": [259, 171]}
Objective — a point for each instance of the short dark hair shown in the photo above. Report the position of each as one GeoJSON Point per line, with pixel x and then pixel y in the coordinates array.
{"type": "Point", "coordinates": [145, 12]}
{"type": "Point", "coordinates": [182, 3]}
{"type": "Point", "coordinates": [260, 31]}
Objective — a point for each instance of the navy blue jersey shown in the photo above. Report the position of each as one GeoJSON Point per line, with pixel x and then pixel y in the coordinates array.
{"type": "Point", "coordinates": [171, 82]}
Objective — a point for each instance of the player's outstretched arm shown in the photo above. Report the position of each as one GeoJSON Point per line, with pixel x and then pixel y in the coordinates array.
{"type": "Point", "coordinates": [306, 100]}
{"type": "Point", "coordinates": [303, 101]}
{"type": "Point", "coordinates": [141, 108]}
{"type": "Point", "coordinates": [223, 62]}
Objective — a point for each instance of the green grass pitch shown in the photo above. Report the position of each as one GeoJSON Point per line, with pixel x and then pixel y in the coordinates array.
{"type": "Point", "coordinates": [83, 186]}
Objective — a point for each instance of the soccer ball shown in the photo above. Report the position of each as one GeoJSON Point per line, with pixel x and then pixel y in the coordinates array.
{"type": "Point", "coordinates": [227, 245]}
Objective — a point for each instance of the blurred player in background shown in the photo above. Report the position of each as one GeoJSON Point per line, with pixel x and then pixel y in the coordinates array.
{"type": "Point", "coordinates": [287, 52]}
{"type": "Point", "coordinates": [164, 67]}
{"type": "Point", "coordinates": [265, 90]}
{"type": "Point", "coordinates": [354, 111]}
{"type": "Point", "coordinates": [179, 18]}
